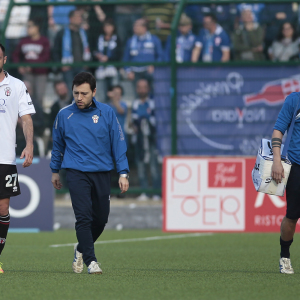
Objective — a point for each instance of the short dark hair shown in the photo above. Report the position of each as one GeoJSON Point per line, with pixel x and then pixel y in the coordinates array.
{"type": "Point", "coordinates": [84, 77]}
{"type": "Point", "coordinates": [72, 13]}
{"type": "Point", "coordinates": [57, 82]}
{"type": "Point", "coordinates": [212, 16]}
{"type": "Point", "coordinates": [117, 86]}
{"type": "Point", "coordinates": [36, 21]}
{"type": "Point", "coordinates": [2, 48]}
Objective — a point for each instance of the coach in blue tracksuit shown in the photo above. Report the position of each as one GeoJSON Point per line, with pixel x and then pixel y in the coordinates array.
{"type": "Point", "coordinates": [87, 139]}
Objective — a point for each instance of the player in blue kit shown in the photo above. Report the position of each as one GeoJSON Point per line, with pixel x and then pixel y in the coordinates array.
{"type": "Point", "coordinates": [87, 139]}
{"type": "Point", "coordinates": [289, 222]}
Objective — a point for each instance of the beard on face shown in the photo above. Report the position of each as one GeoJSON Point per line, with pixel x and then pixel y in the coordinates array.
{"type": "Point", "coordinates": [143, 95]}
{"type": "Point", "coordinates": [85, 106]}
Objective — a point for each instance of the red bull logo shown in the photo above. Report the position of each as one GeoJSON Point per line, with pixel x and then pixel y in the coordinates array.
{"type": "Point", "coordinates": [274, 93]}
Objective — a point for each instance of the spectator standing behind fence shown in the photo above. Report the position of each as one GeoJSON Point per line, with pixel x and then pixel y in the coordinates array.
{"type": "Point", "coordinates": [185, 41]}
{"type": "Point", "coordinates": [64, 98]}
{"type": "Point", "coordinates": [71, 46]}
{"type": "Point", "coordinates": [143, 119]}
{"type": "Point", "coordinates": [115, 94]}
{"type": "Point", "coordinates": [286, 47]}
{"type": "Point", "coordinates": [256, 9]}
{"type": "Point", "coordinates": [125, 16]}
{"type": "Point", "coordinates": [108, 50]}
{"type": "Point", "coordinates": [248, 39]}
{"type": "Point", "coordinates": [34, 49]}
{"type": "Point", "coordinates": [142, 47]}
{"type": "Point", "coordinates": [225, 14]}
{"type": "Point", "coordinates": [213, 43]}
{"type": "Point", "coordinates": [274, 15]}
{"type": "Point", "coordinates": [159, 18]}
{"type": "Point", "coordinates": [58, 17]}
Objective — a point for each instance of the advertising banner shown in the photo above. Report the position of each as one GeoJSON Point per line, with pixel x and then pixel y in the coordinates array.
{"type": "Point", "coordinates": [34, 207]}
{"type": "Point", "coordinates": [222, 110]}
{"type": "Point", "coordinates": [216, 194]}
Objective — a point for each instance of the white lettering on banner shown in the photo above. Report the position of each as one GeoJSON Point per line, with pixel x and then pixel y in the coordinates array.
{"type": "Point", "coordinates": [192, 202]}
{"type": "Point", "coordinates": [233, 84]}
{"type": "Point", "coordinates": [274, 199]}
{"type": "Point", "coordinates": [221, 174]}
{"type": "Point", "coordinates": [268, 220]}
{"type": "Point", "coordinates": [239, 115]}
{"type": "Point", "coordinates": [34, 200]}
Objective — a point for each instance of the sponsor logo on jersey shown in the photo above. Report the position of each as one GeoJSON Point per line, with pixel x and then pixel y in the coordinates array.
{"type": "Point", "coordinates": [2, 106]}
{"type": "Point", "coordinates": [15, 189]}
{"type": "Point", "coordinates": [95, 118]}
{"type": "Point", "coordinates": [29, 103]}
{"type": "Point", "coordinates": [2, 240]}
{"type": "Point", "coordinates": [7, 91]}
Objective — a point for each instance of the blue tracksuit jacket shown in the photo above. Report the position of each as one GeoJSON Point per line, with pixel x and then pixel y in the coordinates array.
{"type": "Point", "coordinates": [88, 140]}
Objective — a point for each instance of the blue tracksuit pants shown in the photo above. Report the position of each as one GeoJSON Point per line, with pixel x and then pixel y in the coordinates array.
{"type": "Point", "coordinates": [90, 195]}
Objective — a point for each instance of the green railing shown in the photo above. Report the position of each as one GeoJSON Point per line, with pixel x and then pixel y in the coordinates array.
{"type": "Point", "coordinates": [173, 64]}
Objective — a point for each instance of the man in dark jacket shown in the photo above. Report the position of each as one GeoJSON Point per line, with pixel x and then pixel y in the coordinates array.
{"type": "Point", "coordinates": [71, 46]}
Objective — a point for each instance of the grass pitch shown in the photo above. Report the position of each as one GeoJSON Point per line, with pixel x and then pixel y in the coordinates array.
{"type": "Point", "coordinates": [220, 266]}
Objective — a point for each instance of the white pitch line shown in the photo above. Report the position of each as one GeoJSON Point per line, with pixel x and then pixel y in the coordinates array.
{"type": "Point", "coordinates": [150, 238]}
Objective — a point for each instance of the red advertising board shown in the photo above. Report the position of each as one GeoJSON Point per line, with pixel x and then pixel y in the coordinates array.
{"type": "Point", "coordinates": [216, 194]}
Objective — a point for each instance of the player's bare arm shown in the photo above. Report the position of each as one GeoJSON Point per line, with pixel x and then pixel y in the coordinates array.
{"type": "Point", "coordinates": [277, 168]}
{"type": "Point", "coordinates": [28, 133]}
{"type": "Point", "coordinates": [56, 181]}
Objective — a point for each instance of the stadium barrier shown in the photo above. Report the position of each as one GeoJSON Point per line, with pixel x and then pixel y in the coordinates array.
{"type": "Point", "coordinates": [216, 195]}
{"type": "Point", "coordinates": [33, 209]}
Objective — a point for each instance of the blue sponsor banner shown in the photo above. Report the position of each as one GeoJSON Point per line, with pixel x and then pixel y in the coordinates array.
{"type": "Point", "coordinates": [33, 209]}
{"type": "Point", "coordinates": [222, 110]}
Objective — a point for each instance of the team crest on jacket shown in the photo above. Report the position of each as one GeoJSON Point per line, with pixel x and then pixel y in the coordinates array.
{"type": "Point", "coordinates": [7, 91]}
{"type": "Point", "coordinates": [95, 118]}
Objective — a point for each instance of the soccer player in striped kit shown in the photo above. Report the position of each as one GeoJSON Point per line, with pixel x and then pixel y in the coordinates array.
{"type": "Point", "coordinates": [14, 102]}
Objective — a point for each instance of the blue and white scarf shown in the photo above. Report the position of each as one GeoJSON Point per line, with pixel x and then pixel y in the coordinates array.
{"type": "Point", "coordinates": [136, 43]}
{"type": "Point", "coordinates": [111, 45]}
{"type": "Point", "coordinates": [67, 53]}
{"type": "Point", "coordinates": [184, 43]}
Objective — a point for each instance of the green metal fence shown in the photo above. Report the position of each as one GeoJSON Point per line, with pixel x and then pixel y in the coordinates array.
{"type": "Point", "coordinates": [173, 64]}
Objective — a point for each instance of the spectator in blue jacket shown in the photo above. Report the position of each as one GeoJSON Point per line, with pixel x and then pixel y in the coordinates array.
{"type": "Point", "coordinates": [185, 41]}
{"type": "Point", "coordinates": [142, 47]}
{"type": "Point", "coordinates": [213, 43]}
